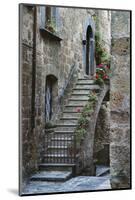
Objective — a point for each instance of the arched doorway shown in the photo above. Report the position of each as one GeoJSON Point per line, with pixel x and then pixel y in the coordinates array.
{"type": "Point", "coordinates": [89, 51]}
{"type": "Point", "coordinates": [51, 93]}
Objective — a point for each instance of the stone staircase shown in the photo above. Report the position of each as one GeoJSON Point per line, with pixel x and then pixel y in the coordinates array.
{"type": "Point", "coordinates": [57, 172]}
{"type": "Point", "coordinates": [59, 162]}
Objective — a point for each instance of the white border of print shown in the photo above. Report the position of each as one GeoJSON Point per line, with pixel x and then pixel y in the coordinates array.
{"type": "Point", "coordinates": [9, 99]}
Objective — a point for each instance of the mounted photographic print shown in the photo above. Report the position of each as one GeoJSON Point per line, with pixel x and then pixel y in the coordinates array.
{"type": "Point", "coordinates": [74, 99]}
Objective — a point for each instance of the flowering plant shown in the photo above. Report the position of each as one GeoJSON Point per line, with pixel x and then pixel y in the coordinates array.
{"type": "Point", "coordinates": [83, 121]}
{"type": "Point", "coordinates": [78, 110]}
{"type": "Point", "coordinates": [102, 73]}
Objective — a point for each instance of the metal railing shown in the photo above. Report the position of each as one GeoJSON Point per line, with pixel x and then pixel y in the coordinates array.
{"type": "Point", "coordinates": [60, 148]}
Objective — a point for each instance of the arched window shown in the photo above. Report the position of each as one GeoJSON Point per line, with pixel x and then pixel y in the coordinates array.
{"type": "Point", "coordinates": [89, 51]}
{"type": "Point", "coordinates": [51, 94]}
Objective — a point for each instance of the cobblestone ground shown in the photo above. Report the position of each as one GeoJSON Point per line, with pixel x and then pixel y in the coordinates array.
{"type": "Point", "coordinates": [80, 183]}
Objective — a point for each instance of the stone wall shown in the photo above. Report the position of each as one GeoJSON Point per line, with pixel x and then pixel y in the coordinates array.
{"type": "Point", "coordinates": [120, 100]}
{"type": "Point", "coordinates": [28, 137]}
{"type": "Point", "coordinates": [103, 26]}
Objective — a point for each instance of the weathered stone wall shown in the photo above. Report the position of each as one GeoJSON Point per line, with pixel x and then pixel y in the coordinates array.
{"type": "Point", "coordinates": [120, 99]}
{"type": "Point", "coordinates": [28, 137]}
{"type": "Point", "coordinates": [103, 26]}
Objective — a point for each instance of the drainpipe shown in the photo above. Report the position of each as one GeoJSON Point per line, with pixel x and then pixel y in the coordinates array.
{"type": "Point", "coordinates": [34, 67]}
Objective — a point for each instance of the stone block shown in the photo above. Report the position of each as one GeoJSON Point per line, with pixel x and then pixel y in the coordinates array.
{"type": "Point", "coordinates": [120, 159]}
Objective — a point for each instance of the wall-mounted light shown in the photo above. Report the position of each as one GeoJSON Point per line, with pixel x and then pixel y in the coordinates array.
{"type": "Point", "coordinates": [84, 42]}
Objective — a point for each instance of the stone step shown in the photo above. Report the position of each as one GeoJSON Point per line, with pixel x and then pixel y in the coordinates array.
{"type": "Point", "coordinates": [69, 118]}
{"type": "Point", "coordinates": [71, 114]}
{"type": "Point", "coordinates": [51, 176]}
{"type": "Point", "coordinates": [63, 127]}
{"type": "Point", "coordinates": [86, 87]}
{"type": "Point", "coordinates": [66, 125]}
{"type": "Point", "coordinates": [80, 92]}
{"type": "Point", "coordinates": [56, 166]}
{"type": "Point", "coordinates": [73, 108]}
{"type": "Point", "coordinates": [53, 165]}
{"type": "Point", "coordinates": [64, 133]}
{"type": "Point", "coordinates": [77, 102]}
{"type": "Point", "coordinates": [79, 97]}
{"type": "Point", "coordinates": [85, 81]}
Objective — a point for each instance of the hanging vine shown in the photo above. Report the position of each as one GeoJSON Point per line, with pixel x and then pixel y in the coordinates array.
{"type": "Point", "coordinates": [83, 121]}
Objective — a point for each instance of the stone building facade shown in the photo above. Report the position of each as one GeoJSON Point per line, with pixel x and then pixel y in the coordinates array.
{"type": "Point", "coordinates": [51, 63]}
{"type": "Point", "coordinates": [120, 99]}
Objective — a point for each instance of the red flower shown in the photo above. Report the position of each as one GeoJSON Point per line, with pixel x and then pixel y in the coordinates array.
{"type": "Point", "coordinates": [100, 65]}
{"type": "Point", "coordinates": [78, 110]}
{"type": "Point", "coordinates": [108, 67]}
{"type": "Point", "coordinates": [105, 77]}
{"type": "Point", "coordinates": [97, 76]}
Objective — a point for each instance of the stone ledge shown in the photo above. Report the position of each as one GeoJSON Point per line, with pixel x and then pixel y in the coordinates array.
{"type": "Point", "coordinates": [49, 34]}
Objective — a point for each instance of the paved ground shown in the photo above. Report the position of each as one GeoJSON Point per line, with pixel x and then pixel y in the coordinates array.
{"type": "Point", "coordinates": [80, 183]}
{"type": "Point", "coordinates": [102, 170]}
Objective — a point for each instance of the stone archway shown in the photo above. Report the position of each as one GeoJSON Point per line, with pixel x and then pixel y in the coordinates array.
{"type": "Point", "coordinates": [101, 153]}
{"type": "Point", "coordinates": [87, 147]}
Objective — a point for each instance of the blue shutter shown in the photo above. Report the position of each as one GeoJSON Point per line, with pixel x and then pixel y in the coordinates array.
{"type": "Point", "coordinates": [53, 13]}
{"type": "Point", "coordinates": [42, 16]}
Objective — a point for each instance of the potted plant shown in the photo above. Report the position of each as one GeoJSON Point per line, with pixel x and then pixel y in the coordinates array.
{"type": "Point", "coordinates": [51, 25]}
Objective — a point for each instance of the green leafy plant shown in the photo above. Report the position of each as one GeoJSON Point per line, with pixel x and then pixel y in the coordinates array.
{"type": "Point", "coordinates": [49, 125]}
{"type": "Point", "coordinates": [51, 25]}
{"type": "Point", "coordinates": [83, 121]}
{"type": "Point", "coordinates": [92, 97]}
{"type": "Point", "coordinates": [101, 54]}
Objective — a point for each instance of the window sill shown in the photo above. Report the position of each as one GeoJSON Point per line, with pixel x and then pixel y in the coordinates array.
{"type": "Point", "coordinates": [49, 34]}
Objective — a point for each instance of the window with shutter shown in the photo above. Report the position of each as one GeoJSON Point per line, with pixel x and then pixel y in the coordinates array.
{"type": "Point", "coordinates": [42, 16]}
{"type": "Point", "coordinates": [48, 18]}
